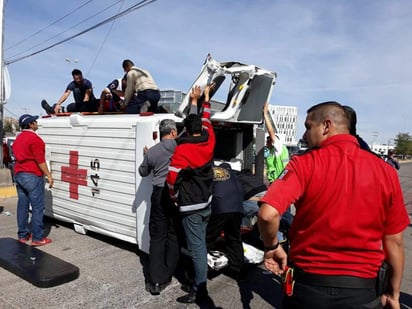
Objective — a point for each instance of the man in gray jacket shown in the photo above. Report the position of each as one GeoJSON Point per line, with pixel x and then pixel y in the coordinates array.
{"type": "Point", "coordinates": [164, 249]}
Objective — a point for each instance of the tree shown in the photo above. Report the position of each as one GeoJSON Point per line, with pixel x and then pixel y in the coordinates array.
{"type": "Point", "coordinates": [403, 142]}
{"type": "Point", "coordinates": [10, 125]}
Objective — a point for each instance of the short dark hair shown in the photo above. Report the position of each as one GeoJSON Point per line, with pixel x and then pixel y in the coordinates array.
{"type": "Point", "coordinates": [351, 114]}
{"type": "Point", "coordinates": [193, 124]}
{"type": "Point", "coordinates": [329, 109]}
{"type": "Point", "coordinates": [77, 72]}
{"type": "Point", "coordinates": [126, 63]}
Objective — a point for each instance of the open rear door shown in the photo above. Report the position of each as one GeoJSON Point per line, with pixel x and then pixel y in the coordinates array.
{"type": "Point", "coordinates": [249, 88]}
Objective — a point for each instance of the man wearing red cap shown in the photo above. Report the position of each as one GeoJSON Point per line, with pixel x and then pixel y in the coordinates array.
{"type": "Point", "coordinates": [30, 169]}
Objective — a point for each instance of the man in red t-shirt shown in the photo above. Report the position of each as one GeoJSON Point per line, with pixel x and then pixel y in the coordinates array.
{"type": "Point", "coordinates": [30, 169]}
{"type": "Point", "coordinates": [350, 215]}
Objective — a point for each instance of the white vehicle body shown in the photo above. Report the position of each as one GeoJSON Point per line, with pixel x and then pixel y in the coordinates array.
{"type": "Point", "coordinates": [94, 159]}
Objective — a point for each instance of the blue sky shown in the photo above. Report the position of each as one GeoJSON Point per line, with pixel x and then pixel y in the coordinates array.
{"type": "Point", "coordinates": [353, 52]}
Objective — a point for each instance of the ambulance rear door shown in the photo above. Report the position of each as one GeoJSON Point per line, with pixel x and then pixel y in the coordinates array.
{"type": "Point", "coordinates": [243, 89]}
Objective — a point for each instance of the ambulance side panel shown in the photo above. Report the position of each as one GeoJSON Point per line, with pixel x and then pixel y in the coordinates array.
{"type": "Point", "coordinates": [94, 162]}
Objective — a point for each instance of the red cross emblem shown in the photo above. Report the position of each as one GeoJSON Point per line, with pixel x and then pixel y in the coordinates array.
{"type": "Point", "coordinates": [73, 175]}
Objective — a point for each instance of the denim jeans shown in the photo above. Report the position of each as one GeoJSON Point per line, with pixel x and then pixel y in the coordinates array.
{"type": "Point", "coordinates": [137, 101]}
{"type": "Point", "coordinates": [30, 191]}
{"type": "Point", "coordinates": [251, 209]}
{"type": "Point", "coordinates": [195, 229]}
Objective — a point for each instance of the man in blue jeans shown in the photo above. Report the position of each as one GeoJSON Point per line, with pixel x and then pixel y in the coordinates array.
{"type": "Point", "coordinates": [190, 180]}
{"type": "Point", "coordinates": [30, 169]}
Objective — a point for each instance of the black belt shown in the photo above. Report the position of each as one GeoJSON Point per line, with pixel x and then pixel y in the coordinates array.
{"type": "Point", "coordinates": [333, 280]}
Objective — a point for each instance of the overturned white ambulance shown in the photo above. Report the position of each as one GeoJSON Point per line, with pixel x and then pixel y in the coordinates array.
{"type": "Point", "coordinates": [94, 158]}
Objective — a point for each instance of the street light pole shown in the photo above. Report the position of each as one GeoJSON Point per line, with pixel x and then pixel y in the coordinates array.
{"type": "Point", "coordinates": [68, 60]}
{"type": "Point", "coordinates": [2, 90]}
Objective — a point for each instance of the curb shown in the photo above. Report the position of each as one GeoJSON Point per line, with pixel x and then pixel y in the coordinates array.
{"type": "Point", "coordinates": [8, 191]}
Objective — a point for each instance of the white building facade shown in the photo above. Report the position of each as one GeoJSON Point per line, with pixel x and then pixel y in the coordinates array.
{"type": "Point", "coordinates": [381, 149]}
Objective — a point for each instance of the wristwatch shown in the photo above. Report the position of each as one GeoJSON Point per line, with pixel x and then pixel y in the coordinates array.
{"type": "Point", "coordinates": [270, 248]}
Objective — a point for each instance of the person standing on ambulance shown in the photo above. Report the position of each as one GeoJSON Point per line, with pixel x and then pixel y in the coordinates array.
{"type": "Point", "coordinates": [30, 169]}
{"type": "Point", "coordinates": [350, 216]}
{"type": "Point", "coordinates": [164, 248]}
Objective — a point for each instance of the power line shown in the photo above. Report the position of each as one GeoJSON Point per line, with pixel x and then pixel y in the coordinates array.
{"type": "Point", "coordinates": [51, 24]}
{"type": "Point", "coordinates": [104, 42]}
{"type": "Point", "coordinates": [123, 13]}
{"type": "Point", "coordinates": [79, 23]}
{"type": "Point", "coordinates": [10, 112]}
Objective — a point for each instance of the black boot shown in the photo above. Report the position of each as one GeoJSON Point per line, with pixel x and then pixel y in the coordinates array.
{"type": "Point", "coordinates": [156, 288]}
{"type": "Point", "coordinates": [189, 298]}
{"type": "Point", "coordinates": [196, 295]}
{"type": "Point", "coordinates": [49, 110]}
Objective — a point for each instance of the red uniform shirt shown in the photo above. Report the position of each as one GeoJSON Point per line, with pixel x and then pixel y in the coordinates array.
{"type": "Point", "coordinates": [29, 151]}
{"type": "Point", "coordinates": [346, 199]}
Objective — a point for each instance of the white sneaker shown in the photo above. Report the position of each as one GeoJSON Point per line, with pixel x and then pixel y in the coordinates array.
{"type": "Point", "coordinates": [217, 260]}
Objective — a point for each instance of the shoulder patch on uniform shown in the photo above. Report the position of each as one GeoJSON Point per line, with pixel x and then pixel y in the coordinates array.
{"type": "Point", "coordinates": [220, 174]}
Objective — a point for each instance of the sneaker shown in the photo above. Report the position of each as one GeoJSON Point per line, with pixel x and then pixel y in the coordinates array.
{"type": "Point", "coordinates": [25, 239]}
{"type": "Point", "coordinates": [42, 242]}
{"type": "Point", "coordinates": [49, 110]}
{"type": "Point", "coordinates": [217, 260]}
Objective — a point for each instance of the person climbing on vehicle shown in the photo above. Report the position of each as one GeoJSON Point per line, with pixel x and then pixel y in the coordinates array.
{"type": "Point", "coordinates": [84, 99]}
{"type": "Point", "coordinates": [141, 94]}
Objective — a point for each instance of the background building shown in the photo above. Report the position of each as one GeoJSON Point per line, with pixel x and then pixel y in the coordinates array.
{"type": "Point", "coordinates": [381, 149]}
{"type": "Point", "coordinates": [171, 99]}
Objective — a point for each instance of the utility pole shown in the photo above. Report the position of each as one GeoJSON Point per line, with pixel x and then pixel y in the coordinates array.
{"type": "Point", "coordinates": [2, 90]}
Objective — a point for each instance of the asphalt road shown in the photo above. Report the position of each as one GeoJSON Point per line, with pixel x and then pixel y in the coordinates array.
{"type": "Point", "coordinates": [112, 273]}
